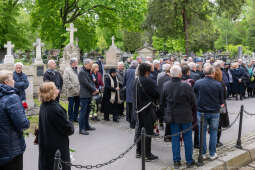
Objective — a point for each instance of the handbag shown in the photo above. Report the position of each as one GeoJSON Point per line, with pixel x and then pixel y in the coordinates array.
{"type": "Point", "coordinates": [123, 94]}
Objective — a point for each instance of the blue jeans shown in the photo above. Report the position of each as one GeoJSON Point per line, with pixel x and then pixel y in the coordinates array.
{"type": "Point", "coordinates": [84, 113]}
{"type": "Point", "coordinates": [187, 137]}
{"type": "Point", "coordinates": [213, 120]}
{"type": "Point", "coordinates": [73, 107]}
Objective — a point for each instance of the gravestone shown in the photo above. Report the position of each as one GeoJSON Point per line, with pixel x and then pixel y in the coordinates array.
{"type": "Point", "coordinates": [29, 92]}
{"type": "Point", "coordinates": [38, 44]}
{"type": "Point", "coordinates": [71, 50]}
{"type": "Point", "coordinates": [240, 52]}
{"type": "Point", "coordinates": [8, 58]}
{"type": "Point", "coordinates": [112, 56]}
{"type": "Point", "coordinates": [38, 67]}
{"type": "Point", "coordinates": [146, 51]}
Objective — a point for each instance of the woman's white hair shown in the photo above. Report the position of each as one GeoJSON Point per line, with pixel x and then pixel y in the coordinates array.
{"type": "Point", "coordinates": [175, 71]}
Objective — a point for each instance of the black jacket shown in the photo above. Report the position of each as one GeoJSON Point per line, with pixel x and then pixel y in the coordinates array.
{"type": "Point", "coordinates": [87, 86]}
{"type": "Point", "coordinates": [54, 129]}
{"type": "Point", "coordinates": [162, 80]}
{"type": "Point", "coordinates": [209, 94]}
{"type": "Point", "coordinates": [195, 76]}
{"type": "Point", "coordinates": [177, 100]}
{"type": "Point", "coordinates": [54, 76]}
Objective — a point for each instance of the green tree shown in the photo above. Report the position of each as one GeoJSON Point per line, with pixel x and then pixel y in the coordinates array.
{"type": "Point", "coordinates": [176, 18]}
{"type": "Point", "coordinates": [12, 29]}
{"type": "Point", "coordinates": [132, 41]}
{"type": "Point", "coordinates": [251, 30]}
{"type": "Point", "coordinates": [52, 18]}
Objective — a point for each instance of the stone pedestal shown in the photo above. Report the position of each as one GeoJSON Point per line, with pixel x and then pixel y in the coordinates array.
{"type": "Point", "coordinates": [29, 92]}
{"type": "Point", "coordinates": [8, 59]}
{"type": "Point", "coordinates": [38, 72]}
{"type": "Point", "coordinates": [70, 51]}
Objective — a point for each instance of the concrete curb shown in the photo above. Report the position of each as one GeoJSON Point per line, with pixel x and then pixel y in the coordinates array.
{"type": "Point", "coordinates": [233, 160]}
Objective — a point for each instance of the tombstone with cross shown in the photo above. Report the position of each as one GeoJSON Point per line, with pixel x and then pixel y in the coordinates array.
{"type": "Point", "coordinates": [71, 50]}
{"type": "Point", "coordinates": [38, 44]}
{"type": "Point", "coordinates": [72, 30]}
{"type": "Point", "coordinates": [112, 56]}
{"type": "Point", "coordinates": [8, 58]}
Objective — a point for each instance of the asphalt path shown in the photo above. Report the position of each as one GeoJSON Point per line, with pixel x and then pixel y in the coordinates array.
{"type": "Point", "coordinates": [111, 139]}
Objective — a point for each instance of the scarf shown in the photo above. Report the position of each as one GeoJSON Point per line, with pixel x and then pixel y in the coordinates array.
{"type": "Point", "coordinates": [113, 93]}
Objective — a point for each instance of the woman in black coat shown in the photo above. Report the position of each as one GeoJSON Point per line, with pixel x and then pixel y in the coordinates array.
{"type": "Point", "coordinates": [111, 103]}
{"type": "Point", "coordinates": [54, 128]}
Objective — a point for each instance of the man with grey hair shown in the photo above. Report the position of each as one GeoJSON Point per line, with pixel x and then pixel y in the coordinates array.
{"type": "Point", "coordinates": [72, 88]}
{"type": "Point", "coordinates": [87, 90]}
{"type": "Point", "coordinates": [210, 98]}
{"type": "Point", "coordinates": [129, 82]}
{"type": "Point", "coordinates": [156, 70]}
{"type": "Point", "coordinates": [165, 69]}
{"type": "Point", "coordinates": [53, 75]}
{"type": "Point", "coordinates": [21, 82]}
{"type": "Point", "coordinates": [193, 75]}
{"type": "Point", "coordinates": [177, 100]}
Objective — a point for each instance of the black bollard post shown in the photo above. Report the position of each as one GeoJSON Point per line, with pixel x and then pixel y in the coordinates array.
{"type": "Point", "coordinates": [57, 160]}
{"type": "Point", "coordinates": [143, 148]}
{"type": "Point", "coordinates": [201, 141]}
{"type": "Point", "coordinates": [239, 141]}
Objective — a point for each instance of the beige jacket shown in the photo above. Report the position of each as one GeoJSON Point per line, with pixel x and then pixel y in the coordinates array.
{"type": "Point", "coordinates": [71, 83]}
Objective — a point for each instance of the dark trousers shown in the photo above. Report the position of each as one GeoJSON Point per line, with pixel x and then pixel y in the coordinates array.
{"type": "Point", "coordinates": [114, 115]}
{"type": "Point", "coordinates": [148, 126]}
{"type": "Point", "coordinates": [73, 107]}
{"type": "Point", "coordinates": [15, 164]}
{"type": "Point", "coordinates": [168, 130]}
{"type": "Point", "coordinates": [130, 115]}
{"type": "Point", "coordinates": [196, 138]}
{"type": "Point", "coordinates": [84, 113]}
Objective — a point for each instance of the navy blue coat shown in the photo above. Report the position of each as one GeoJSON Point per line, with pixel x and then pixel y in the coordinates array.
{"type": "Point", "coordinates": [21, 84]}
{"type": "Point", "coordinates": [129, 82]}
{"type": "Point", "coordinates": [12, 123]}
{"type": "Point", "coordinates": [209, 94]}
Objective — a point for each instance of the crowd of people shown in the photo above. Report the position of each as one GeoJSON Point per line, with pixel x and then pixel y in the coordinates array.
{"type": "Point", "coordinates": [162, 94]}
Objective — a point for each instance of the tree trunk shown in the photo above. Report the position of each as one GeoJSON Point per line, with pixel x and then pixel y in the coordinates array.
{"type": "Point", "coordinates": [185, 28]}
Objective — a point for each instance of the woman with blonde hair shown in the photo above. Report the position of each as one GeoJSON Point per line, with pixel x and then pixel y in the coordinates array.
{"type": "Point", "coordinates": [54, 128]}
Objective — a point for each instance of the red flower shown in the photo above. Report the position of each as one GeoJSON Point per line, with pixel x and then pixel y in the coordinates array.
{"type": "Point", "coordinates": [25, 105]}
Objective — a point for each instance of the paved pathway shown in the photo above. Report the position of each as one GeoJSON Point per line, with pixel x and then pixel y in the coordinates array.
{"type": "Point", "coordinates": [109, 140]}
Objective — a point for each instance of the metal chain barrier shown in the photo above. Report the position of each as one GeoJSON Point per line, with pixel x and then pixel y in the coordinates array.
{"type": "Point", "coordinates": [248, 113]}
{"type": "Point", "coordinates": [232, 124]}
{"type": "Point", "coordinates": [101, 164]}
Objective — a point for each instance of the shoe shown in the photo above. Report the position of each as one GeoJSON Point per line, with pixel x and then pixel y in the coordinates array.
{"type": "Point", "coordinates": [215, 156]}
{"type": "Point", "coordinates": [204, 156]}
{"type": "Point", "coordinates": [91, 128]}
{"type": "Point", "coordinates": [151, 157]}
{"type": "Point", "coordinates": [107, 119]}
{"type": "Point", "coordinates": [116, 121]}
{"type": "Point", "coordinates": [219, 144]}
{"type": "Point", "coordinates": [138, 155]}
{"type": "Point", "coordinates": [196, 146]}
{"type": "Point", "coordinates": [83, 132]}
{"type": "Point", "coordinates": [76, 120]}
{"type": "Point", "coordinates": [190, 165]}
{"type": "Point", "coordinates": [177, 164]}
{"type": "Point", "coordinates": [167, 139]}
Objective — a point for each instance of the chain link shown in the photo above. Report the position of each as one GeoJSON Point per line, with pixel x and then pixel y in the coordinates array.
{"type": "Point", "coordinates": [102, 164]}
{"type": "Point", "coordinates": [250, 114]}
{"type": "Point", "coordinates": [232, 124]}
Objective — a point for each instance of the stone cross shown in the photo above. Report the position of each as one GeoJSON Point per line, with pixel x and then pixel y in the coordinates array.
{"type": "Point", "coordinates": [71, 30]}
{"type": "Point", "coordinates": [38, 44]}
{"type": "Point", "coordinates": [9, 47]}
{"type": "Point", "coordinates": [113, 38]}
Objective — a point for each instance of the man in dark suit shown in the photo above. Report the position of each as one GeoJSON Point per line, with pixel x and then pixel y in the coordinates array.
{"type": "Point", "coordinates": [87, 90]}
{"type": "Point", "coordinates": [54, 76]}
